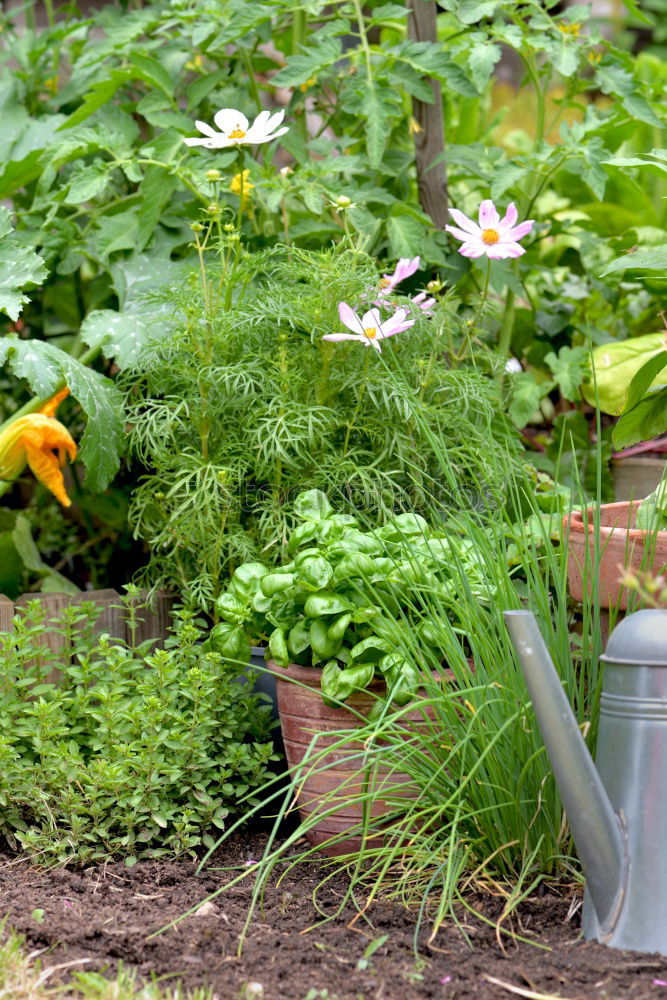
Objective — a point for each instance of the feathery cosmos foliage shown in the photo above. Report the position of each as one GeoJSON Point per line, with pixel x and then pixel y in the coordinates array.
{"type": "Point", "coordinates": [237, 413]}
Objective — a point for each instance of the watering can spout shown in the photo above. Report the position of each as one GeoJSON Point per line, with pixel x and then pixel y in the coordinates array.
{"type": "Point", "coordinates": [597, 830]}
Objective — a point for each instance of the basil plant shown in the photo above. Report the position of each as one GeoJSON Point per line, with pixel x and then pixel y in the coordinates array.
{"type": "Point", "coordinates": [359, 604]}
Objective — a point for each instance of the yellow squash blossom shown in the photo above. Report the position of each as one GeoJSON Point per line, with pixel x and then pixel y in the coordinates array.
{"type": "Point", "coordinates": [41, 442]}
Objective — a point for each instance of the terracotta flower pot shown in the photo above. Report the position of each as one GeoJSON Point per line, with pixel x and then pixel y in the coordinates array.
{"type": "Point", "coordinates": [622, 546]}
{"type": "Point", "coordinates": [303, 713]}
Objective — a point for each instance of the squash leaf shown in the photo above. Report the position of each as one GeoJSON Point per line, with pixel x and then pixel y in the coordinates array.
{"type": "Point", "coordinates": [615, 366]}
{"type": "Point", "coordinates": [46, 369]}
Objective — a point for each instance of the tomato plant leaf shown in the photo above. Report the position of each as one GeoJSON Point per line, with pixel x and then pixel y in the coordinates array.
{"type": "Point", "coordinates": [19, 266]}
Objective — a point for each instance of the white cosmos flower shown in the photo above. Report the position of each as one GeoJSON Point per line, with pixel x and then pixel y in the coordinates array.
{"type": "Point", "coordinates": [370, 329]}
{"type": "Point", "coordinates": [495, 237]}
{"type": "Point", "coordinates": [235, 130]}
{"type": "Point", "coordinates": [513, 366]}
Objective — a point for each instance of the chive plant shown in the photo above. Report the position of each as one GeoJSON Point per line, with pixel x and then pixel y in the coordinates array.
{"type": "Point", "coordinates": [469, 789]}
{"type": "Point", "coordinates": [470, 792]}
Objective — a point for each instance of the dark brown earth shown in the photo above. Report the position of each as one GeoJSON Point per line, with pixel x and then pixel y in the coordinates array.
{"type": "Point", "coordinates": [105, 913]}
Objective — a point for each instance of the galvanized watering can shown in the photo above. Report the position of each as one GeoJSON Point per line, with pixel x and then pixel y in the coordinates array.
{"type": "Point", "coordinates": [618, 810]}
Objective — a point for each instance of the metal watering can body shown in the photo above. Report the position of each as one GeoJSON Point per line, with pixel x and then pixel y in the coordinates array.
{"type": "Point", "coordinates": [617, 810]}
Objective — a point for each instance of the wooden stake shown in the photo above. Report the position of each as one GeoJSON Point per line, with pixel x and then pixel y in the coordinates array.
{"type": "Point", "coordinates": [430, 139]}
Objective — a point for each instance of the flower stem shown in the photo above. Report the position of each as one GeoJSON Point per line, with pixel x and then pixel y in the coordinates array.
{"type": "Point", "coordinates": [485, 291]}
{"type": "Point", "coordinates": [204, 280]}
{"type": "Point", "coordinates": [505, 335]}
{"type": "Point", "coordinates": [239, 219]}
{"type": "Point", "coordinates": [366, 49]}
{"type": "Point", "coordinates": [321, 392]}
{"type": "Point", "coordinates": [540, 95]}
{"type": "Point", "coordinates": [299, 25]}
{"type": "Point", "coordinates": [353, 421]}
{"type": "Point", "coordinates": [252, 79]}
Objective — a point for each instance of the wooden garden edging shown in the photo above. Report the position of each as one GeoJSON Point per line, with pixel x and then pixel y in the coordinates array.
{"type": "Point", "coordinates": [154, 624]}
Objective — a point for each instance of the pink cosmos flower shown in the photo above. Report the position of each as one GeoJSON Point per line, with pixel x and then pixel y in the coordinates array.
{"type": "Point", "coordinates": [495, 237]}
{"type": "Point", "coordinates": [370, 329]}
{"type": "Point", "coordinates": [423, 302]}
{"type": "Point", "coordinates": [403, 270]}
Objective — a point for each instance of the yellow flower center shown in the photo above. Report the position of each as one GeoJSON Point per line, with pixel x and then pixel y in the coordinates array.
{"type": "Point", "coordinates": [236, 133]}
{"type": "Point", "coordinates": [384, 282]}
{"type": "Point", "coordinates": [490, 236]}
{"type": "Point", "coordinates": [371, 332]}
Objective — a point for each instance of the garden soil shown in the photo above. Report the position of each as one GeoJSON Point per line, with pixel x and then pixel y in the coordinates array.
{"type": "Point", "coordinates": [105, 913]}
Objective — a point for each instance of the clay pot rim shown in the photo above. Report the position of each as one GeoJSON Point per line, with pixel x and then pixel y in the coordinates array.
{"type": "Point", "coordinates": [575, 524]}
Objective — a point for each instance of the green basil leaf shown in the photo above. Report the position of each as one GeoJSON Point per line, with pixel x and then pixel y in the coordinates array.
{"type": "Point", "coordinates": [312, 505]}
{"type": "Point", "coordinates": [330, 682]}
{"type": "Point", "coordinates": [302, 533]}
{"type": "Point", "coordinates": [355, 564]}
{"type": "Point", "coordinates": [230, 641]}
{"type": "Point", "coordinates": [371, 648]}
{"type": "Point", "coordinates": [231, 608]}
{"type": "Point", "coordinates": [405, 526]}
{"type": "Point", "coordinates": [402, 676]}
{"type": "Point", "coordinates": [246, 578]}
{"type": "Point", "coordinates": [354, 541]}
{"type": "Point", "coordinates": [260, 603]}
{"type": "Point", "coordinates": [314, 571]}
{"type": "Point", "coordinates": [322, 645]}
{"type": "Point", "coordinates": [355, 678]}
{"type": "Point", "coordinates": [276, 583]}
{"type": "Point", "coordinates": [339, 627]}
{"type": "Point", "coordinates": [325, 604]}
{"type": "Point", "coordinates": [298, 639]}
{"type": "Point", "coordinates": [278, 647]}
